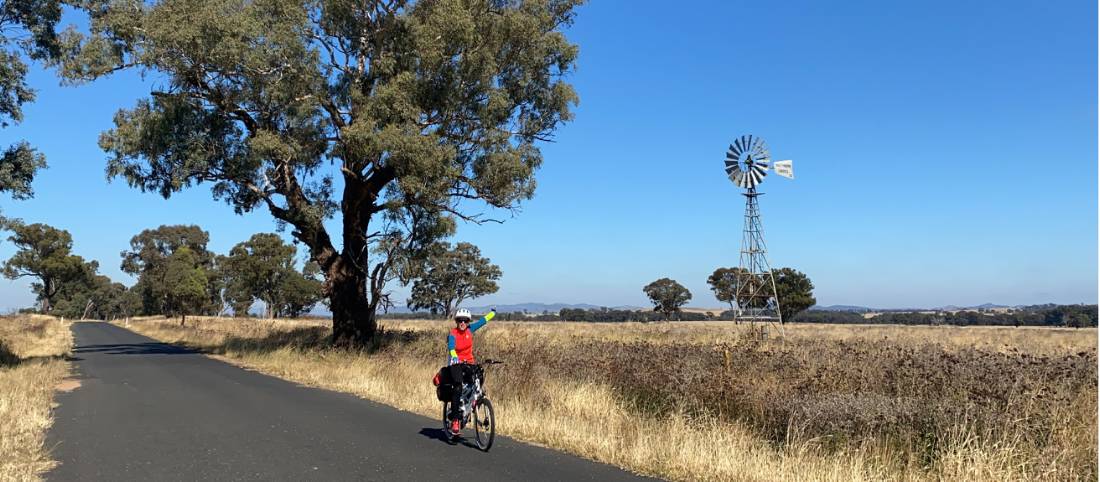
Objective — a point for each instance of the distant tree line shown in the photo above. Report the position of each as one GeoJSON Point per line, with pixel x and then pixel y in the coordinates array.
{"type": "Point", "coordinates": [176, 275]}
{"type": "Point", "coordinates": [598, 315]}
{"type": "Point", "coordinates": [1077, 316]}
{"type": "Point", "coordinates": [1042, 315]}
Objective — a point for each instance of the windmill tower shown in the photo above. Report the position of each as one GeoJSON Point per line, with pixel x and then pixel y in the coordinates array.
{"type": "Point", "coordinates": [747, 164]}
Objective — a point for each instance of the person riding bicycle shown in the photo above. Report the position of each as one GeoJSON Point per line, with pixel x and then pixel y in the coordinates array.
{"type": "Point", "coordinates": [460, 347]}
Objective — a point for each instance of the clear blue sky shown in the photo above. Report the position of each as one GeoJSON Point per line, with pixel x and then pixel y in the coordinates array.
{"type": "Point", "coordinates": [945, 153]}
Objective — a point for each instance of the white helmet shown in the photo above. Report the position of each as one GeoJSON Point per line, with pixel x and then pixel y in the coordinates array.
{"type": "Point", "coordinates": [463, 313]}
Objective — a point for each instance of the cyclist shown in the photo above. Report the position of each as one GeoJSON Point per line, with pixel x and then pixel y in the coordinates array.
{"type": "Point", "coordinates": [460, 347]}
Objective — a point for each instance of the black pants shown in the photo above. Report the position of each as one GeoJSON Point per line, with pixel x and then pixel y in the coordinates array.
{"type": "Point", "coordinates": [456, 375]}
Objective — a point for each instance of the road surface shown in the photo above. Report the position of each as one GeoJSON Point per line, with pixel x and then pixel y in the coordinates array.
{"type": "Point", "coordinates": [151, 411]}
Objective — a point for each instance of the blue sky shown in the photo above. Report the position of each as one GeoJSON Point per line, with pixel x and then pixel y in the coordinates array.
{"type": "Point", "coordinates": [945, 153]}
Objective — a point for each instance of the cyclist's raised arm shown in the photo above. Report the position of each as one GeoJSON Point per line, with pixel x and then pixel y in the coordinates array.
{"type": "Point", "coordinates": [481, 322]}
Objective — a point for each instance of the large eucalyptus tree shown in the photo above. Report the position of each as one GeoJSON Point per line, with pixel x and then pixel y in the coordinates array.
{"type": "Point", "coordinates": [395, 117]}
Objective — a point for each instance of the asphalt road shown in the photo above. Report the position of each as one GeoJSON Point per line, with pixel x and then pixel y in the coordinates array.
{"type": "Point", "coordinates": [150, 411]}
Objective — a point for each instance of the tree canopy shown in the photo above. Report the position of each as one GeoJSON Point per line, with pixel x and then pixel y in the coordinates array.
{"type": "Point", "coordinates": [393, 115]}
{"type": "Point", "coordinates": [153, 259]}
{"type": "Point", "coordinates": [667, 296]}
{"type": "Point", "coordinates": [184, 288]}
{"type": "Point", "coordinates": [794, 290]}
{"type": "Point", "coordinates": [723, 282]}
{"type": "Point", "coordinates": [263, 268]}
{"type": "Point", "coordinates": [451, 276]}
{"type": "Point", "coordinates": [95, 296]}
{"type": "Point", "coordinates": [45, 254]}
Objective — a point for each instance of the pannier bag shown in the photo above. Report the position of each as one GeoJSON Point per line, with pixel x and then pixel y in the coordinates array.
{"type": "Point", "coordinates": [443, 391]}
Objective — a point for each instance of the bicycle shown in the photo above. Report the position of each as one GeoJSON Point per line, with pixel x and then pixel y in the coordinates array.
{"type": "Point", "coordinates": [476, 406]}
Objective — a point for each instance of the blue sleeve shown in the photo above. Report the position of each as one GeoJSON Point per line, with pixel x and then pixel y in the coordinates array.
{"type": "Point", "coordinates": [450, 342]}
{"type": "Point", "coordinates": [478, 324]}
{"type": "Point", "coordinates": [484, 319]}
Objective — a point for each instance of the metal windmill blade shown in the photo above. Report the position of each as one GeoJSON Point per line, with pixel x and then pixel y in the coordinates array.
{"type": "Point", "coordinates": [747, 161]}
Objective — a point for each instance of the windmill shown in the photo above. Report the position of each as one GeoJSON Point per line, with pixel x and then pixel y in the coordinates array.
{"type": "Point", "coordinates": [747, 164]}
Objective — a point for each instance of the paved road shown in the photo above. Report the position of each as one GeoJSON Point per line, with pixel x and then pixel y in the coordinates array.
{"type": "Point", "coordinates": [150, 411]}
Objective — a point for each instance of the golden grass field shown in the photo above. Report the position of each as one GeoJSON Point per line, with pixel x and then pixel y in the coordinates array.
{"type": "Point", "coordinates": [32, 365]}
{"type": "Point", "coordinates": [714, 401]}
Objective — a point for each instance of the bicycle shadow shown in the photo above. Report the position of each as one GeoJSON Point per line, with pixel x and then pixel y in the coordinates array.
{"type": "Point", "coordinates": [441, 435]}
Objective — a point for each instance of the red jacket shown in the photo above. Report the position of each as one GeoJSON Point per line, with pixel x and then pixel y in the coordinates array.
{"type": "Point", "coordinates": [464, 344]}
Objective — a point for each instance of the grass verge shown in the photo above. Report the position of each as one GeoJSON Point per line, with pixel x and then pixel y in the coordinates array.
{"type": "Point", "coordinates": [32, 365]}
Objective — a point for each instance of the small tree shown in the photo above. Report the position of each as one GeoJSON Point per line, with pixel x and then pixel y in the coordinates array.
{"type": "Point", "coordinates": [44, 254]}
{"type": "Point", "coordinates": [299, 292]}
{"type": "Point", "coordinates": [263, 268]}
{"type": "Point", "coordinates": [1079, 320]}
{"type": "Point", "coordinates": [667, 296]}
{"type": "Point", "coordinates": [148, 258]}
{"type": "Point", "coordinates": [258, 267]}
{"type": "Point", "coordinates": [794, 290]}
{"type": "Point", "coordinates": [451, 276]}
{"type": "Point", "coordinates": [184, 284]}
{"type": "Point", "coordinates": [723, 282]}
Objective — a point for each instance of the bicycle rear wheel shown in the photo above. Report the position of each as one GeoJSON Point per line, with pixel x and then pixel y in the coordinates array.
{"type": "Point", "coordinates": [447, 421]}
{"type": "Point", "coordinates": [485, 424]}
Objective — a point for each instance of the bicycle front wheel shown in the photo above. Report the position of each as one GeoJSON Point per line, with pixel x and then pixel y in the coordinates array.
{"type": "Point", "coordinates": [485, 424]}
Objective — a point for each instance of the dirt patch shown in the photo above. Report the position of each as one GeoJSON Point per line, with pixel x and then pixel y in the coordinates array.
{"type": "Point", "coordinates": [68, 385]}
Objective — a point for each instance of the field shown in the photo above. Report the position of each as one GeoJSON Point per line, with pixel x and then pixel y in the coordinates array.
{"type": "Point", "coordinates": [32, 365]}
{"type": "Point", "coordinates": [716, 401]}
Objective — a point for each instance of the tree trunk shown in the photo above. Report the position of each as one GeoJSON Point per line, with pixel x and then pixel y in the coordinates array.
{"type": "Point", "coordinates": [353, 319]}
{"type": "Point", "coordinates": [46, 283]}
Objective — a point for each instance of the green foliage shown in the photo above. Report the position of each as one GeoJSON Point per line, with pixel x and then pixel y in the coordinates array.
{"type": "Point", "coordinates": [415, 105]}
{"type": "Point", "coordinates": [263, 268]}
{"type": "Point", "coordinates": [96, 297]}
{"type": "Point", "coordinates": [794, 290]}
{"type": "Point", "coordinates": [185, 284]}
{"type": "Point", "coordinates": [44, 253]}
{"type": "Point", "coordinates": [667, 296]}
{"type": "Point", "coordinates": [723, 282]}
{"type": "Point", "coordinates": [150, 259]}
{"type": "Point", "coordinates": [18, 165]}
{"type": "Point", "coordinates": [607, 315]}
{"type": "Point", "coordinates": [26, 30]}
{"type": "Point", "coordinates": [451, 276]}
{"type": "Point", "coordinates": [299, 293]}
{"type": "Point", "coordinates": [735, 286]}
{"type": "Point", "coordinates": [1038, 315]}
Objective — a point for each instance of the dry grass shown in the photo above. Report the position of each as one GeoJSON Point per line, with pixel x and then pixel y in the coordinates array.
{"type": "Point", "coordinates": [31, 366]}
{"type": "Point", "coordinates": [692, 401]}
{"type": "Point", "coordinates": [1034, 340]}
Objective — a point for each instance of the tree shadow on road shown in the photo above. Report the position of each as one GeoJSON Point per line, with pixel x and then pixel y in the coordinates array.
{"type": "Point", "coordinates": [135, 349]}
{"type": "Point", "coordinates": [314, 339]}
